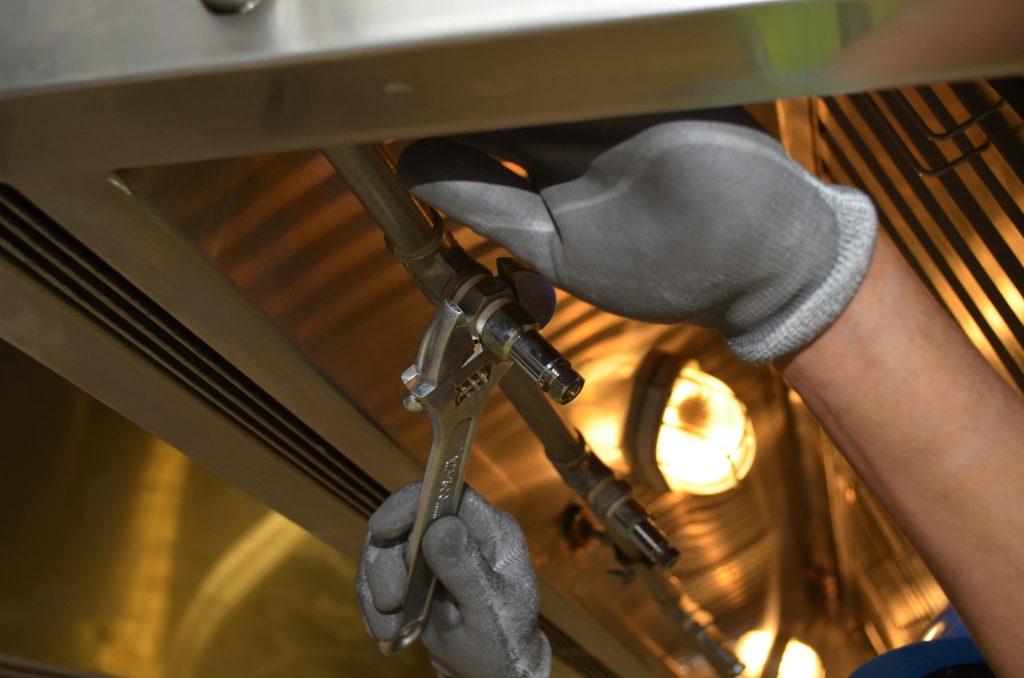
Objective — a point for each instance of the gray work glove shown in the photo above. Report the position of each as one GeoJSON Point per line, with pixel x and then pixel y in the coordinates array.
{"type": "Point", "coordinates": [483, 622]}
{"type": "Point", "coordinates": [696, 221]}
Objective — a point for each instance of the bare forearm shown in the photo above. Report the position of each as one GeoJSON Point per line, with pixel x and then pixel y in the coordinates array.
{"type": "Point", "coordinates": [935, 433]}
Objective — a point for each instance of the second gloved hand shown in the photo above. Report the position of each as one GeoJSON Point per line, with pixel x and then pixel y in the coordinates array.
{"type": "Point", "coordinates": [483, 620]}
{"type": "Point", "coordinates": [695, 221]}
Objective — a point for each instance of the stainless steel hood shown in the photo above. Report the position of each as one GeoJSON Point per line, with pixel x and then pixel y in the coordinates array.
{"type": "Point", "coordinates": [174, 245]}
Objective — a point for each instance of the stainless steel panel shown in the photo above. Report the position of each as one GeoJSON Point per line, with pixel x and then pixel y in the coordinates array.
{"type": "Point", "coordinates": [115, 40]}
{"type": "Point", "coordinates": [115, 83]}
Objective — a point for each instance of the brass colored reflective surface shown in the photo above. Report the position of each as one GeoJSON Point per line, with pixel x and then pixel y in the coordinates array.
{"type": "Point", "coordinates": [286, 230]}
{"type": "Point", "coordinates": [123, 557]}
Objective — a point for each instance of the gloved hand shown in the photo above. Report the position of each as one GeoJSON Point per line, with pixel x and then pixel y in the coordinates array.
{"type": "Point", "coordinates": [483, 622]}
{"type": "Point", "coordinates": [704, 222]}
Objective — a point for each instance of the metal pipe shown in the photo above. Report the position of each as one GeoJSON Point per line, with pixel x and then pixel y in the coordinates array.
{"type": "Point", "coordinates": [610, 498]}
{"type": "Point", "coordinates": [561, 441]}
{"type": "Point", "coordinates": [413, 232]}
{"type": "Point", "coordinates": [696, 624]}
{"type": "Point", "coordinates": [417, 238]}
{"type": "Point", "coordinates": [369, 171]}
{"type": "Point", "coordinates": [633, 531]}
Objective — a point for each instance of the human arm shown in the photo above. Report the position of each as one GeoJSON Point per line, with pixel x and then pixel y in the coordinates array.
{"type": "Point", "coordinates": [936, 434]}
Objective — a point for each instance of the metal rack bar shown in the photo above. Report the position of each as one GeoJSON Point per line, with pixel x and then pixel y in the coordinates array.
{"type": "Point", "coordinates": [950, 132]}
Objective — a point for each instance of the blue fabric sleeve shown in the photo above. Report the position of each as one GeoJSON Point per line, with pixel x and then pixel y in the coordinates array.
{"type": "Point", "coordinates": [918, 660]}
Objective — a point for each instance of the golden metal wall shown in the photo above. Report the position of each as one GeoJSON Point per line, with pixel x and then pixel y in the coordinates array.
{"type": "Point", "coordinates": [123, 557]}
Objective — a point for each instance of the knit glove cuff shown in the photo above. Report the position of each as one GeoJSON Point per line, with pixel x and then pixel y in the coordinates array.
{"type": "Point", "coordinates": [856, 222]}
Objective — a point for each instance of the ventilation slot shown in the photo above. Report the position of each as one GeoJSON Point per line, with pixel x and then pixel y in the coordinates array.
{"type": "Point", "coordinates": [48, 254]}
{"type": "Point", "coordinates": [944, 165]}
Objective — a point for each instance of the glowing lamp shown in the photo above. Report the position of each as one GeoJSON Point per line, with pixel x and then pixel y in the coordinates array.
{"type": "Point", "coordinates": [798, 659]}
{"type": "Point", "coordinates": [687, 431]}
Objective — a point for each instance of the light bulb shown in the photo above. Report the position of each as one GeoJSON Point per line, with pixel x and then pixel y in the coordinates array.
{"type": "Point", "coordinates": [752, 648]}
{"type": "Point", "coordinates": [706, 442]}
{"type": "Point", "coordinates": [798, 659]}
